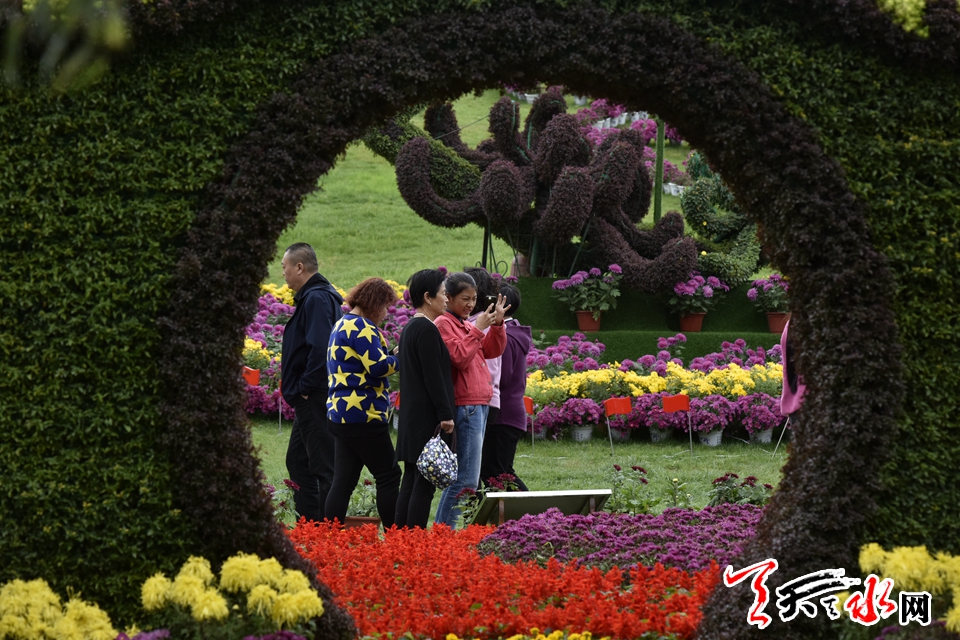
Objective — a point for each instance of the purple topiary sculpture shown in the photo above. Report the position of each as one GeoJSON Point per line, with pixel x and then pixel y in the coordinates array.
{"type": "Point", "coordinates": [544, 191]}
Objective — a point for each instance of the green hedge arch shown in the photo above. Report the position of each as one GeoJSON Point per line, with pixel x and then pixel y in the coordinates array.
{"type": "Point", "coordinates": [139, 214]}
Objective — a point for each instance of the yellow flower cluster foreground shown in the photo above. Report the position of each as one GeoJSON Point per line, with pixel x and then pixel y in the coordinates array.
{"type": "Point", "coordinates": [399, 288]}
{"type": "Point", "coordinates": [32, 611]}
{"type": "Point", "coordinates": [914, 569]}
{"type": "Point", "coordinates": [282, 595]}
{"type": "Point", "coordinates": [732, 382]}
{"type": "Point", "coordinates": [283, 293]}
{"type": "Point", "coordinates": [535, 634]}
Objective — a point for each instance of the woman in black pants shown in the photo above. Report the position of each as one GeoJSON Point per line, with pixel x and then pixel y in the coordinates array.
{"type": "Point", "coordinates": [426, 393]}
{"type": "Point", "coordinates": [357, 368]}
{"type": "Point", "coordinates": [510, 424]}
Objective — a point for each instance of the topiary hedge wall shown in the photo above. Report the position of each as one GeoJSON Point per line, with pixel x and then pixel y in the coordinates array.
{"type": "Point", "coordinates": [138, 217]}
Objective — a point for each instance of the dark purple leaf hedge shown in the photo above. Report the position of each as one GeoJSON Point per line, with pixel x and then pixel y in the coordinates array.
{"type": "Point", "coordinates": [139, 216]}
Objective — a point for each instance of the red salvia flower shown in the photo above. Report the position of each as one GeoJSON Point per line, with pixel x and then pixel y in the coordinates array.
{"type": "Point", "coordinates": [433, 582]}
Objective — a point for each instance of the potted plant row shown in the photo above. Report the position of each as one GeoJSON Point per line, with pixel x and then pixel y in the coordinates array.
{"type": "Point", "coordinates": [692, 299]}
{"type": "Point", "coordinates": [769, 295]}
{"type": "Point", "coordinates": [590, 293]}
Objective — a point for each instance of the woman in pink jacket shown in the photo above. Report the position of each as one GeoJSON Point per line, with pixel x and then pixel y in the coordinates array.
{"type": "Point", "coordinates": [472, 386]}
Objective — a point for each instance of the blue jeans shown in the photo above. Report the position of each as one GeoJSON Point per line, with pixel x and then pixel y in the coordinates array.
{"type": "Point", "coordinates": [470, 423]}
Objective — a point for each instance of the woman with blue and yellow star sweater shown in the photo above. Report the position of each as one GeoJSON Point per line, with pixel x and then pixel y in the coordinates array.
{"type": "Point", "coordinates": [357, 368]}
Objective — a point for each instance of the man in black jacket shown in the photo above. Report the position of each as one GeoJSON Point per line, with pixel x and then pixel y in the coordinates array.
{"type": "Point", "coordinates": [304, 374]}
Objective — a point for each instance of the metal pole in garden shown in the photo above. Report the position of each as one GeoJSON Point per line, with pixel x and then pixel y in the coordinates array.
{"type": "Point", "coordinates": [780, 439]}
{"type": "Point", "coordinates": [658, 172]}
{"type": "Point", "coordinates": [486, 243]}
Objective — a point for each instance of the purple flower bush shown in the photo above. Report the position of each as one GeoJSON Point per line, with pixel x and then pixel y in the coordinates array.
{"type": "Point", "coordinates": [569, 354]}
{"type": "Point", "coordinates": [602, 109]}
{"type": "Point", "coordinates": [156, 634]}
{"type": "Point", "coordinates": [551, 420]}
{"type": "Point", "coordinates": [696, 295]}
{"type": "Point", "coordinates": [736, 353]}
{"type": "Point", "coordinates": [711, 412]}
{"type": "Point", "coordinates": [770, 294]}
{"type": "Point", "coordinates": [682, 538]}
{"type": "Point", "coordinates": [706, 414]}
{"type": "Point", "coordinates": [397, 317]}
{"type": "Point", "coordinates": [759, 412]}
{"type": "Point", "coordinates": [670, 350]}
{"type": "Point", "coordinates": [592, 290]}
{"type": "Point", "coordinates": [266, 329]}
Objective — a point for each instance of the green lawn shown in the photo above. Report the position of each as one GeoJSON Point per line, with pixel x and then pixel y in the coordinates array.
{"type": "Point", "coordinates": [566, 465]}
{"type": "Point", "coordinates": [361, 227]}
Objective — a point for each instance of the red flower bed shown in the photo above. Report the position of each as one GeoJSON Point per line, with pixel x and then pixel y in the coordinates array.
{"type": "Point", "coordinates": [431, 583]}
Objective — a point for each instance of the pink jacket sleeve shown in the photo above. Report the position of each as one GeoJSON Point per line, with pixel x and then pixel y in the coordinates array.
{"type": "Point", "coordinates": [494, 342]}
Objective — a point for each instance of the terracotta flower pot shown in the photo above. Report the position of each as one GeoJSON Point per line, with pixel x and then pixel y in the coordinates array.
{"type": "Point", "coordinates": [691, 322]}
{"type": "Point", "coordinates": [776, 320]}
{"type": "Point", "coordinates": [585, 321]}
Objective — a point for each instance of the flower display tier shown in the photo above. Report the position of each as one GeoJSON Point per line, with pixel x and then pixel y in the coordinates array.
{"type": "Point", "coordinates": [736, 385]}
{"type": "Point", "coordinates": [453, 587]}
{"type": "Point", "coordinates": [682, 538]}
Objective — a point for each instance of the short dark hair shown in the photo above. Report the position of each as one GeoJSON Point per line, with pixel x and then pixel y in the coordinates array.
{"type": "Point", "coordinates": [304, 253]}
{"type": "Point", "coordinates": [512, 294]}
{"type": "Point", "coordinates": [371, 295]}
{"type": "Point", "coordinates": [423, 282]}
{"type": "Point", "coordinates": [486, 286]}
{"type": "Point", "coordinates": [457, 282]}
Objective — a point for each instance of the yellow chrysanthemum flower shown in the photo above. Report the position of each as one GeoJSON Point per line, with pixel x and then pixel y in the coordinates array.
{"type": "Point", "coordinates": [84, 621]}
{"type": "Point", "coordinates": [270, 571]}
{"type": "Point", "coordinates": [953, 619]}
{"type": "Point", "coordinates": [909, 567]}
{"type": "Point", "coordinates": [240, 572]}
{"type": "Point", "coordinates": [399, 288]}
{"type": "Point", "coordinates": [286, 610]}
{"type": "Point", "coordinates": [283, 293]}
{"type": "Point", "coordinates": [155, 592]}
{"type": "Point", "coordinates": [260, 600]}
{"type": "Point", "coordinates": [197, 567]}
{"type": "Point", "coordinates": [292, 581]}
{"type": "Point", "coordinates": [949, 567]}
{"type": "Point", "coordinates": [209, 605]}
{"type": "Point", "coordinates": [186, 590]}
{"type": "Point", "coordinates": [309, 603]}
{"type": "Point", "coordinates": [12, 626]}
{"type": "Point", "coordinates": [872, 558]}
{"type": "Point", "coordinates": [33, 602]}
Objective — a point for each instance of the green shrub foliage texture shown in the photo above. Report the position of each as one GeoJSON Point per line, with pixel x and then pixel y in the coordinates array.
{"type": "Point", "coordinates": [138, 216]}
